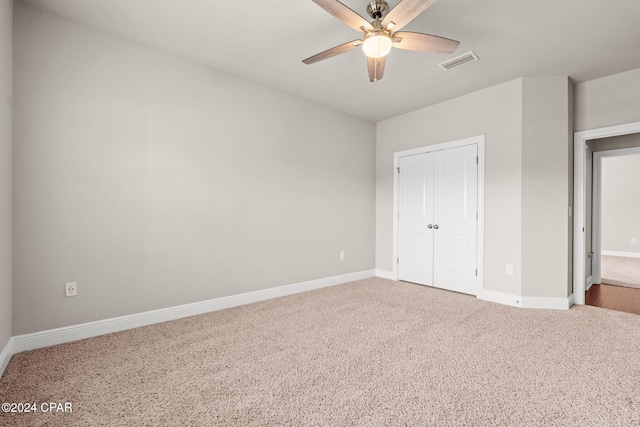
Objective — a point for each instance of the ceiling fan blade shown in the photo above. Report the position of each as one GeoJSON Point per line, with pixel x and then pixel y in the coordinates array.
{"type": "Point", "coordinates": [405, 12]}
{"type": "Point", "coordinates": [343, 48]}
{"type": "Point", "coordinates": [376, 68]}
{"type": "Point", "coordinates": [345, 14]}
{"type": "Point", "coordinates": [424, 42]}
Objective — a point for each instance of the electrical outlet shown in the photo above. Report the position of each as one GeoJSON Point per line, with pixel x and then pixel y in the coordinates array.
{"type": "Point", "coordinates": [341, 254]}
{"type": "Point", "coordinates": [509, 269]}
{"type": "Point", "coordinates": [70, 289]}
{"type": "Point", "coordinates": [633, 241]}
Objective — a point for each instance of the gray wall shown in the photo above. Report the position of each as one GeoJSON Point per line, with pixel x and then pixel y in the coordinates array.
{"type": "Point", "coordinates": [546, 190]}
{"type": "Point", "coordinates": [608, 101]}
{"type": "Point", "coordinates": [527, 125]}
{"type": "Point", "coordinates": [154, 182]}
{"type": "Point", "coordinates": [6, 94]}
{"type": "Point", "coordinates": [495, 112]}
{"type": "Point", "coordinates": [621, 203]}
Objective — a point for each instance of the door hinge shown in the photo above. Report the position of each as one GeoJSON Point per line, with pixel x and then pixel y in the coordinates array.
{"type": "Point", "coordinates": [476, 160]}
{"type": "Point", "coordinates": [476, 216]}
{"type": "Point", "coordinates": [476, 271]}
{"type": "Point", "coordinates": [398, 169]}
{"type": "Point", "coordinates": [398, 260]}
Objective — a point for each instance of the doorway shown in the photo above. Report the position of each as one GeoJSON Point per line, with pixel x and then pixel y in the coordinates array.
{"type": "Point", "coordinates": [439, 215]}
{"type": "Point", "coordinates": [583, 274]}
{"type": "Point", "coordinates": [615, 225]}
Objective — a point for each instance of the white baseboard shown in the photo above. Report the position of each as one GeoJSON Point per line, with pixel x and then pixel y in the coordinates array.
{"type": "Point", "coordinates": [620, 253]}
{"type": "Point", "coordinates": [101, 327]}
{"type": "Point", "coordinates": [572, 299]}
{"type": "Point", "coordinates": [385, 274]}
{"type": "Point", "coordinates": [5, 356]}
{"type": "Point", "coordinates": [526, 302]}
{"type": "Point", "coordinates": [545, 303]}
{"type": "Point", "coordinates": [500, 298]}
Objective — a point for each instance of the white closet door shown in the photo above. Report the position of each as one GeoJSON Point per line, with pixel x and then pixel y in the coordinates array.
{"type": "Point", "coordinates": [415, 239]}
{"type": "Point", "coordinates": [455, 210]}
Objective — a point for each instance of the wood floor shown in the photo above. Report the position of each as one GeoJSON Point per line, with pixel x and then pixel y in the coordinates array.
{"type": "Point", "coordinates": [614, 297]}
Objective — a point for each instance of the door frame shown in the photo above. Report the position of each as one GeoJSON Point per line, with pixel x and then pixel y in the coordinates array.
{"type": "Point", "coordinates": [580, 150]}
{"type": "Point", "coordinates": [475, 140]}
{"type": "Point", "coordinates": [596, 213]}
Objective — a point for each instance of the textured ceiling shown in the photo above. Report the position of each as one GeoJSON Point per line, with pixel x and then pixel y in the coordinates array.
{"type": "Point", "coordinates": [265, 42]}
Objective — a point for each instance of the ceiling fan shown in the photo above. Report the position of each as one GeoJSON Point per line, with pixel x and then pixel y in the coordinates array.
{"type": "Point", "coordinates": [382, 33]}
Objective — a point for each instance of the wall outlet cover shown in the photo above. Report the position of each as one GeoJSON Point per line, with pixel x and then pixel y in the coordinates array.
{"type": "Point", "coordinates": [70, 289]}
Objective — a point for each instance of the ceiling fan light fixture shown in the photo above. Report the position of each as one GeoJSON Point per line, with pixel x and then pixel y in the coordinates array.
{"type": "Point", "coordinates": [377, 44]}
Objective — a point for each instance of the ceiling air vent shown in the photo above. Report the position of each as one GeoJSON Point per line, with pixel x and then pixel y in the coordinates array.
{"type": "Point", "coordinates": [459, 61]}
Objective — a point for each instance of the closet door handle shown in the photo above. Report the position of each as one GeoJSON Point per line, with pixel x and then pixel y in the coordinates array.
{"type": "Point", "coordinates": [430, 226]}
{"type": "Point", "coordinates": [436, 226]}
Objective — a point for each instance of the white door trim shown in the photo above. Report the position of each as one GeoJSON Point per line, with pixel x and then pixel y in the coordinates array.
{"type": "Point", "coordinates": [477, 140]}
{"type": "Point", "coordinates": [596, 218]}
{"type": "Point", "coordinates": [579, 199]}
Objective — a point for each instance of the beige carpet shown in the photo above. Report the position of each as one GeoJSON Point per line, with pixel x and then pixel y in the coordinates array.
{"type": "Point", "coordinates": [367, 353]}
{"type": "Point", "coordinates": [621, 271]}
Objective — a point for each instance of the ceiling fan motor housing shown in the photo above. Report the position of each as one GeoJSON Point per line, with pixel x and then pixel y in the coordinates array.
{"type": "Point", "coordinates": [376, 9]}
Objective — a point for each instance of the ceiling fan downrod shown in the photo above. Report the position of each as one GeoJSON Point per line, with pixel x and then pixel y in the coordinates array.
{"type": "Point", "coordinates": [376, 9]}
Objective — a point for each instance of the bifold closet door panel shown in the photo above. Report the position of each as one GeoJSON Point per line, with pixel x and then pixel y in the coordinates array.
{"type": "Point", "coordinates": [455, 215]}
{"type": "Point", "coordinates": [415, 208]}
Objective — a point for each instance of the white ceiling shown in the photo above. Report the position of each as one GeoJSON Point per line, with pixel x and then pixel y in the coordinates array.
{"type": "Point", "coordinates": [265, 42]}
